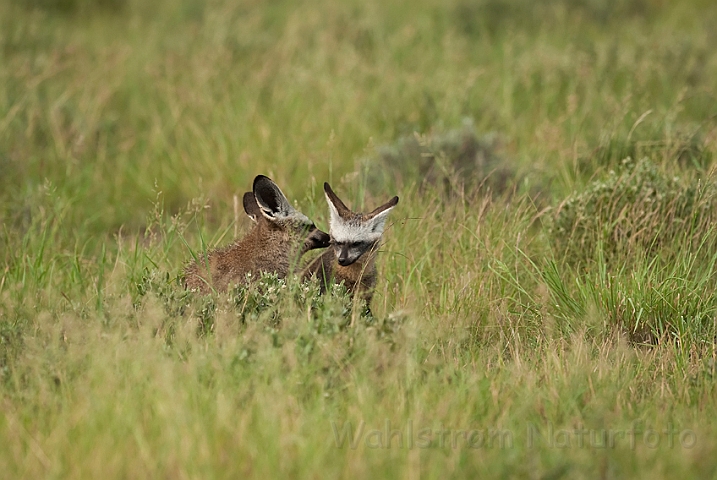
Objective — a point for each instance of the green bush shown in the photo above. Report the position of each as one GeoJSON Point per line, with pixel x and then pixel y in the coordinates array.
{"type": "Point", "coordinates": [76, 6]}
{"type": "Point", "coordinates": [266, 301]}
{"type": "Point", "coordinates": [635, 209]}
{"type": "Point", "coordinates": [456, 161]}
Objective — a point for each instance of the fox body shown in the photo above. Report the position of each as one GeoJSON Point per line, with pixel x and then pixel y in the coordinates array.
{"type": "Point", "coordinates": [355, 238]}
{"type": "Point", "coordinates": [280, 236]}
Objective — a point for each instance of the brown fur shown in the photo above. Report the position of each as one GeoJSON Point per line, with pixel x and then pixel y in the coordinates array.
{"type": "Point", "coordinates": [279, 238]}
{"type": "Point", "coordinates": [266, 248]}
{"type": "Point", "coordinates": [359, 277]}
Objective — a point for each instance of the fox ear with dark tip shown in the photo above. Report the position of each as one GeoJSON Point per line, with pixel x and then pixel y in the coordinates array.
{"type": "Point", "coordinates": [336, 206]}
{"type": "Point", "coordinates": [386, 206]}
{"type": "Point", "coordinates": [377, 218]}
{"type": "Point", "coordinates": [251, 207]}
{"type": "Point", "coordinates": [270, 199]}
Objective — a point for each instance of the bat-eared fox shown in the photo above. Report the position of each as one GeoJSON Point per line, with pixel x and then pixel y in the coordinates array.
{"type": "Point", "coordinates": [280, 236]}
{"type": "Point", "coordinates": [355, 238]}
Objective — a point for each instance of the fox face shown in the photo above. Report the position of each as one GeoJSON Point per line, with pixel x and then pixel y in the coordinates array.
{"type": "Point", "coordinates": [354, 239]}
{"type": "Point", "coordinates": [354, 234]}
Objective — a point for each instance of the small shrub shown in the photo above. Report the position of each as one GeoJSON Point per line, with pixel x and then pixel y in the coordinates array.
{"type": "Point", "coordinates": [456, 161]}
{"type": "Point", "coordinates": [269, 300]}
{"type": "Point", "coordinates": [636, 208]}
{"type": "Point", "coordinates": [174, 298]}
{"type": "Point", "coordinates": [76, 6]}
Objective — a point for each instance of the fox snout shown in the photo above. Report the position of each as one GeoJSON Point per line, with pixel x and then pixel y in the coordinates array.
{"type": "Point", "coordinates": [317, 239]}
{"type": "Point", "coordinates": [344, 259]}
{"type": "Point", "coordinates": [348, 253]}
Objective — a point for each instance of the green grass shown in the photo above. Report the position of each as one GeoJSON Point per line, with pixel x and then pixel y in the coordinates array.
{"type": "Point", "coordinates": [540, 298]}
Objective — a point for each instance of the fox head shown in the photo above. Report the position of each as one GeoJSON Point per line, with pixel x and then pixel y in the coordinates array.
{"type": "Point", "coordinates": [354, 234]}
{"type": "Point", "coordinates": [268, 207]}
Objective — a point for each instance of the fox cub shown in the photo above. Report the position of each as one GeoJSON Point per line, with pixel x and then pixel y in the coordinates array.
{"type": "Point", "coordinates": [280, 236]}
{"type": "Point", "coordinates": [355, 238]}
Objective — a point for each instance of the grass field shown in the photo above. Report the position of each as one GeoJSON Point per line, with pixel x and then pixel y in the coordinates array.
{"type": "Point", "coordinates": [547, 302]}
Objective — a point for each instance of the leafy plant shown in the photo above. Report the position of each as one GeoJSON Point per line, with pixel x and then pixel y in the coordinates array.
{"type": "Point", "coordinates": [635, 209]}
{"type": "Point", "coordinates": [456, 161]}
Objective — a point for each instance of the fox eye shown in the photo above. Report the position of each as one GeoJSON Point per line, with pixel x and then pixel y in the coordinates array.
{"type": "Point", "coordinates": [367, 245]}
{"type": "Point", "coordinates": [351, 245]}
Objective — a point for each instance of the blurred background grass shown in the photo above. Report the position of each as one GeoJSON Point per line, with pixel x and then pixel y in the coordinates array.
{"type": "Point", "coordinates": [108, 98]}
{"type": "Point", "coordinates": [531, 274]}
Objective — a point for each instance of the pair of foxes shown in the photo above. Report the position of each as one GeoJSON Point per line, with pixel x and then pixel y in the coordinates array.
{"type": "Point", "coordinates": [281, 235]}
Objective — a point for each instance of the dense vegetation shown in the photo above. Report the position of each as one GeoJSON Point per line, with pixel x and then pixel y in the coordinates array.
{"type": "Point", "coordinates": [547, 305]}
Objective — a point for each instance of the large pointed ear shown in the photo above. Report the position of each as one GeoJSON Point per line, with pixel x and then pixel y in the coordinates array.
{"type": "Point", "coordinates": [386, 206]}
{"type": "Point", "coordinates": [251, 207]}
{"type": "Point", "coordinates": [270, 199]}
{"type": "Point", "coordinates": [377, 218]}
{"type": "Point", "coordinates": [338, 210]}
